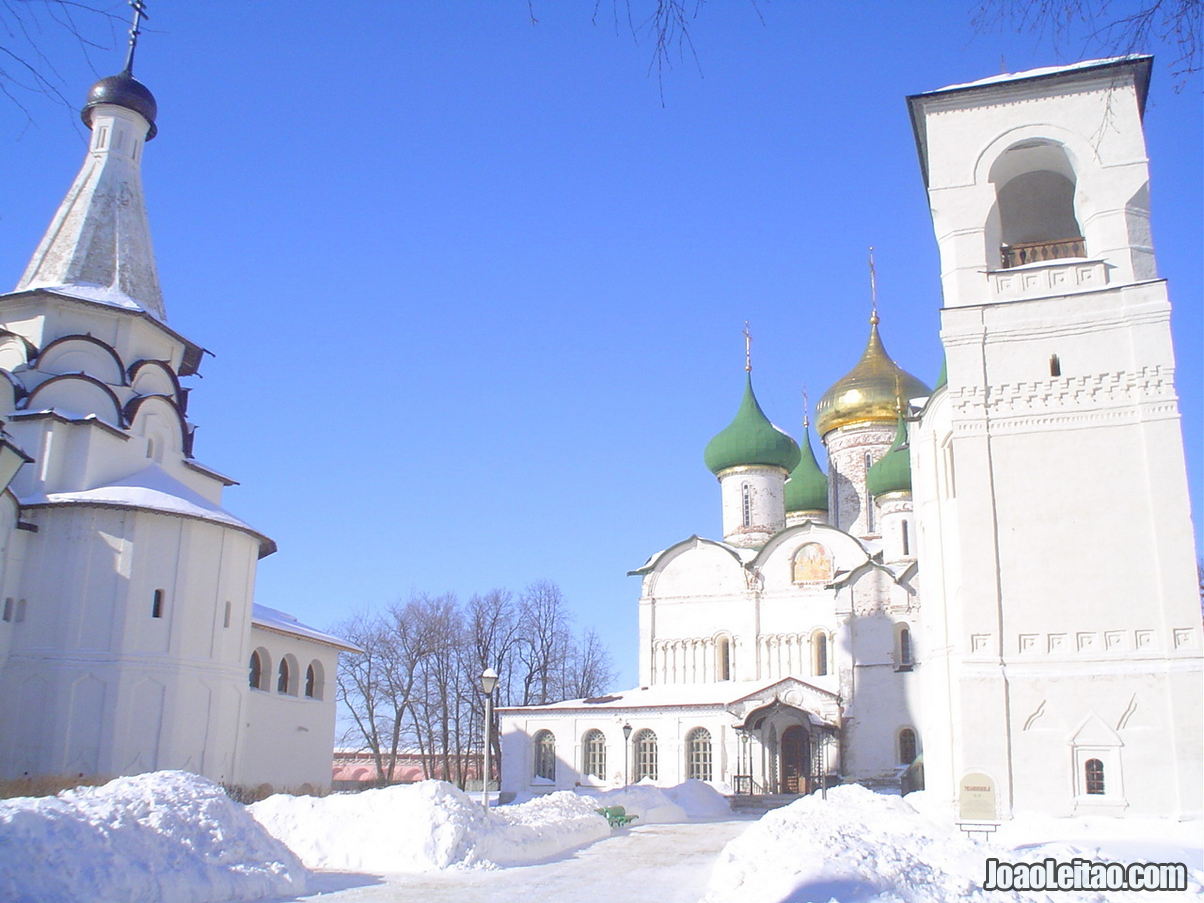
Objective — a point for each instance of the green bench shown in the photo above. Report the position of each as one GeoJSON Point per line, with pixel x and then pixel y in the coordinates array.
{"type": "Point", "coordinates": [617, 816]}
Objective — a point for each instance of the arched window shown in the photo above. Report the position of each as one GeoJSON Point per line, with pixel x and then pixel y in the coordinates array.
{"type": "Point", "coordinates": [1094, 772]}
{"type": "Point", "coordinates": [282, 676]}
{"type": "Point", "coordinates": [819, 653]}
{"type": "Point", "coordinates": [746, 504]}
{"type": "Point", "coordinates": [812, 564]}
{"type": "Point", "coordinates": [1035, 189]}
{"type": "Point", "coordinates": [723, 658]}
{"type": "Point", "coordinates": [907, 746]}
{"type": "Point", "coordinates": [698, 754]}
{"type": "Point", "coordinates": [314, 680]}
{"type": "Point", "coordinates": [545, 756]}
{"type": "Point", "coordinates": [645, 755]}
{"type": "Point", "coordinates": [905, 656]}
{"type": "Point", "coordinates": [257, 668]}
{"type": "Point", "coordinates": [594, 754]}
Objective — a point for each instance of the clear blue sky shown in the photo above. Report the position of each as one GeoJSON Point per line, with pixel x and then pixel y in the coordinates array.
{"type": "Point", "coordinates": [476, 295]}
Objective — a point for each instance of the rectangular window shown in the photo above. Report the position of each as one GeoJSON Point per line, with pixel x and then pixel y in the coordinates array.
{"type": "Point", "coordinates": [157, 604]}
{"type": "Point", "coordinates": [906, 540]}
{"type": "Point", "coordinates": [8, 609]}
{"type": "Point", "coordinates": [226, 618]}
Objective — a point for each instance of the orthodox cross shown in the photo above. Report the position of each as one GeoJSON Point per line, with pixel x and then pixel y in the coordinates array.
{"type": "Point", "coordinates": [806, 410]}
{"type": "Point", "coordinates": [747, 348]}
{"type": "Point", "coordinates": [140, 13]}
{"type": "Point", "coordinates": [873, 289]}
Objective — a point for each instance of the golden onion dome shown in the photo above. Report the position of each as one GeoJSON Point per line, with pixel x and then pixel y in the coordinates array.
{"type": "Point", "coordinates": [870, 392]}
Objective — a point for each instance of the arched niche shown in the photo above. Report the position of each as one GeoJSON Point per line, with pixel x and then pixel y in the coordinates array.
{"type": "Point", "coordinates": [1034, 217]}
{"type": "Point", "coordinates": [15, 350]}
{"type": "Point", "coordinates": [157, 419]}
{"type": "Point", "coordinates": [82, 354]}
{"type": "Point", "coordinates": [77, 396]}
{"type": "Point", "coordinates": [11, 392]}
{"type": "Point", "coordinates": [149, 377]}
{"type": "Point", "coordinates": [811, 563]}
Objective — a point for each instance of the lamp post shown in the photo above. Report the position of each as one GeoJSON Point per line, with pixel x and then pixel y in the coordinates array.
{"type": "Point", "coordinates": [488, 683]}
{"type": "Point", "coordinates": [626, 747]}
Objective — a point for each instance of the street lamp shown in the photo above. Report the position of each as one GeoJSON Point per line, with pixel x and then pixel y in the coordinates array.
{"type": "Point", "coordinates": [626, 747]}
{"type": "Point", "coordinates": [488, 683]}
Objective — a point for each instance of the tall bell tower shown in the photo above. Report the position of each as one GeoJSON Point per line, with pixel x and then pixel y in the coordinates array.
{"type": "Point", "coordinates": [1061, 611]}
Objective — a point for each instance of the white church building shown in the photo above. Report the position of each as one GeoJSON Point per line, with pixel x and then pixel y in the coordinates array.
{"type": "Point", "coordinates": [129, 639]}
{"type": "Point", "coordinates": [991, 592]}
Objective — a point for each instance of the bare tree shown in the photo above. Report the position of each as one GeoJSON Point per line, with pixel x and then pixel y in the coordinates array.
{"type": "Point", "coordinates": [1105, 26]}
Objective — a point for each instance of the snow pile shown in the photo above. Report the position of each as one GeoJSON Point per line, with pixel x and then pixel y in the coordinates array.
{"type": "Point", "coordinates": [667, 805]}
{"type": "Point", "coordinates": [425, 827]}
{"type": "Point", "coordinates": [168, 835]}
{"type": "Point", "coordinates": [857, 845]}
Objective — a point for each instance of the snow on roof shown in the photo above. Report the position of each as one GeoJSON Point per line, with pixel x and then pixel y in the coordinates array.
{"type": "Point", "coordinates": [283, 622]}
{"type": "Point", "coordinates": [1042, 72]}
{"type": "Point", "coordinates": [661, 696]}
{"type": "Point", "coordinates": [742, 555]}
{"type": "Point", "coordinates": [153, 489]}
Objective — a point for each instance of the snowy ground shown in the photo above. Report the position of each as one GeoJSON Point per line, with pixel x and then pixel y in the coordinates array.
{"type": "Point", "coordinates": [177, 838]}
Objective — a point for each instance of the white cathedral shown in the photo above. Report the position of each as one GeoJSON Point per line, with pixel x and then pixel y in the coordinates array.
{"type": "Point", "coordinates": [991, 593]}
{"type": "Point", "coordinates": [129, 639]}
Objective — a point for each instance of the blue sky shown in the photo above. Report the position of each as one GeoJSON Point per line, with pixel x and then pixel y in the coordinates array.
{"type": "Point", "coordinates": [476, 295]}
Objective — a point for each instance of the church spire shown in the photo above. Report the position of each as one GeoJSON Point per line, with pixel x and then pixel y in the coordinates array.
{"type": "Point", "coordinates": [98, 246]}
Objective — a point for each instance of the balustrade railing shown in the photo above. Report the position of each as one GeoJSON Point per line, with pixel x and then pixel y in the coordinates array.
{"type": "Point", "coordinates": [1038, 251]}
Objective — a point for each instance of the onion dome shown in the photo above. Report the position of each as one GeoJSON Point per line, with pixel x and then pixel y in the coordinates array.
{"type": "Point", "coordinates": [868, 392]}
{"type": "Point", "coordinates": [123, 90]}
{"type": "Point", "coordinates": [891, 472]}
{"type": "Point", "coordinates": [807, 488]}
{"type": "Point", "coordinates": [751, 439]}
{"type": "Point", "coordinates": [942, 378]}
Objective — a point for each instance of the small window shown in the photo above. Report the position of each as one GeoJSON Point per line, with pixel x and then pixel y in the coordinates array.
{"type": "Point", "coordinates": [906, 530]}
{"type": "Point", "coordinates": [157, 604]}
{"type": "Point", "coordinates": [746, 504]}
{"type": "Point", "coordinates": [1094, 771]}
{"type": "Point", "coordinates": [282, 677]}
{"type": "Point", "coordinates": [723, 659]}
{"type": "Point", "coordinates": [226, 616]}
{"type": "Point", "coordinates": [905, 657]}
{"type": "Point", "coordinates": [255, 679]}
{"type": "Point", "coordinates": [8, 609]}
{"type": "Point", "coordinates": [907, 746]}
{"type": "Point", "coordinates": [545, 756]}
{"type": "Point", "coordinates": [819, 653]}
{"type": "Point", "coordinates": [1055, 365]}
{"type": "Point", "coordinates": [594, 748]}
{"type": "Point", "coordinates": [312, 686]}
{"type": "Point", "coordinates": [645, 755]}
{"type": "Point", "coordinates": [698, 754]}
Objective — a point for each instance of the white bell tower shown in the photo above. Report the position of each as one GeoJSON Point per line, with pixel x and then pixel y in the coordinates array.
{"type": "Point", "coordinates": [1049, 477]}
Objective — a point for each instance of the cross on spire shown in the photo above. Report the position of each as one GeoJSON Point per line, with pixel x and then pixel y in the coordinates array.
{"type": "Point", "coordinates": [806, 410]}
{"type": "Point", "coordinates": [747, 348]}
{"type": "Point", "coordinates": [873, 289]}
{"type": "Point", "coordinates": [140, 13]}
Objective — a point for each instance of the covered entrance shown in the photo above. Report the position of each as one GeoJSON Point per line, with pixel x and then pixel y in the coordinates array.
{"type": "Point", "coordinates": [784, 750]}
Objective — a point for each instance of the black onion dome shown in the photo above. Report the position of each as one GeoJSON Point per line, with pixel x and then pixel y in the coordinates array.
{"type": "Point", "coordinates": [123, 90]}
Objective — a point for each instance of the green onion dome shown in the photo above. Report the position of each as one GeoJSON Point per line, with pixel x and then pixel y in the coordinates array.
{"type": "Point", "coordinates": [807, 488]}
{"type": "Point", "coordinates": [942, 378]}
{"type": "Point", "coordinates": [891, 472]}
{"type": "Point", "coordinates": [751, 439]}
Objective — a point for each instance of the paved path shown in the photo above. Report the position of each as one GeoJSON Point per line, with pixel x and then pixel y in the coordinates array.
{"type": "Point", "coordinates": [652, 863]}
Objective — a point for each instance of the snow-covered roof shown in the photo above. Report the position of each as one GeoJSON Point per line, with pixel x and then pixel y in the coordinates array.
{"type": "Point", "coordinates": [1043, 72]}
{"type": "Point", "coordinates": [150, 488]}
{"type": "Point", "coordinates": [282, 622]}
{"type": "Point", "coordinates": [742, 555]}
{"type": "Point", "coordinates": [663, 696]}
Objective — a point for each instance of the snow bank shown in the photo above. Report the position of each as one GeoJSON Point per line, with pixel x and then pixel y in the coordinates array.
{"type": "Point", "coordinates": [868, 847]}
{"type": "Point", "coordinates": [857, 845]}
{"type": "Point", "coordinates": [167, 835]}
{"type": "Point", "coordinates": [656, 805]}
{"type": "Point", "coordinates": [426, 826]}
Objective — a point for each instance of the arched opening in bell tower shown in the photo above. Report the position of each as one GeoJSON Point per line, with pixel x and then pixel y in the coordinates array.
{"type": "Point", "coordinates": [1034, 217]}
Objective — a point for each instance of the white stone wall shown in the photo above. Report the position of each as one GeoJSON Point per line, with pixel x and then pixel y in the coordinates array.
{"type": "Point", "coordinates": [765, 488]}
{"type": "Point", "coordinates": [848, 448]}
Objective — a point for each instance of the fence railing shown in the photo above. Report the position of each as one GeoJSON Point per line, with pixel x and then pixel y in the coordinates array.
{"type": "Point", "coordinates": [1038, 251]}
